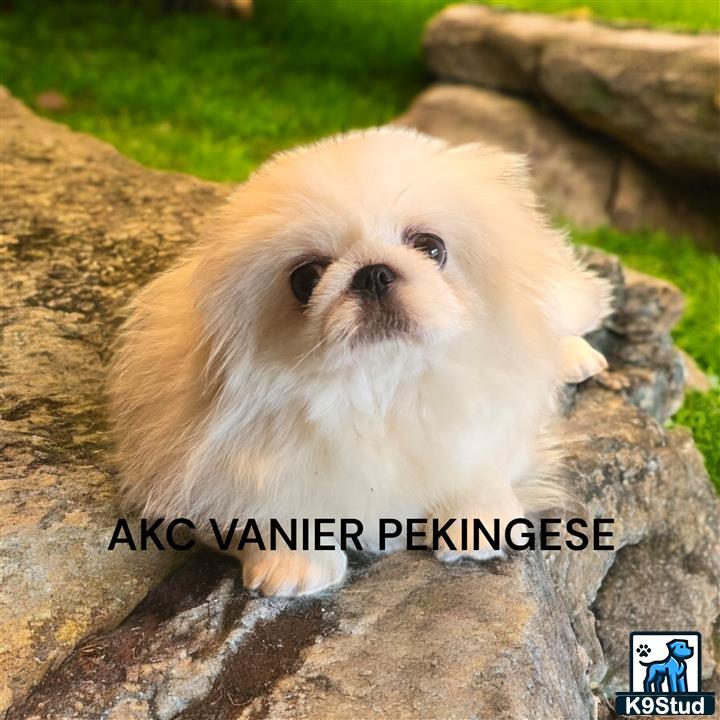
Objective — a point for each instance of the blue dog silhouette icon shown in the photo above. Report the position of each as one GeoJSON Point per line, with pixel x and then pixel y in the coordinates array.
{"type": "Point", "coordinates": [672, 669]}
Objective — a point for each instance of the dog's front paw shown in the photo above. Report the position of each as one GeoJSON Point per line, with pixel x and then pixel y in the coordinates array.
{"type": "Point", "coordinates": [477, 545]}
{"type": "Point", "coordinates": [445, 554]}
{"type": "Point", "coordinates": [476, 548]}
{"type": "Point", "coordinates": [579, 360]}
{"type": "Point", "coordinates": [286, 573]}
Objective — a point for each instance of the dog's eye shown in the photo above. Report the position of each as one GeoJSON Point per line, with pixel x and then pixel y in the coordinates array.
{"type": "Point", "coordinates": [430, 245]}
{"type": "Point", "coordinates": [303, 280]}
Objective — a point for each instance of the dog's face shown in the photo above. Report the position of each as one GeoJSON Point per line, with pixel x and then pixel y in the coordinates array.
{"type": "Point", "coordinates": [680, 650]}
{"type": "Point", "coordinates": [373, 242]}
{"type": "Point", "coordinates": [386, 284]}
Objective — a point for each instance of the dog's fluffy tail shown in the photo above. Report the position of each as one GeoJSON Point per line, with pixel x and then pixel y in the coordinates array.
{"type": "Point", "coordinates": [540, 496]}
{"type": "Point", "coordinates": [542, 489]}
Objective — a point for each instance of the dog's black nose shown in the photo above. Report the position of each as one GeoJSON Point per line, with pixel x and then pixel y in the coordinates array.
{"type": "Point", "coordinates": [373, 280]}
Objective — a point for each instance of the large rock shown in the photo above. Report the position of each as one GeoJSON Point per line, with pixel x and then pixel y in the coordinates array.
{"type": "Point", "coordinates": [656, 92]}
{"type": "Point", "coordinates": [81, 228]}
{"type": "Point", "coordinates": [579, 176]}
{"type": "Point", "coordinates": [406, 636]}
{"type": "Point", "coordinates": [652, 482]}
{"type": "Point", "coordinates": [666, 533]}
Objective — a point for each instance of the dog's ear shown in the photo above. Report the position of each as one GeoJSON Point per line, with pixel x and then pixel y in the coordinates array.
{"type": "Point", "coordinates": [573, 300]}
{"type": "Point", "coordinates": [512, 169]}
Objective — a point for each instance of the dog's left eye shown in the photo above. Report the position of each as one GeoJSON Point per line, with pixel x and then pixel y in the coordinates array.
{"type": "Point", "coordinates": [430, 245]}
{"type": "Point", "coordinates": [303, 280]}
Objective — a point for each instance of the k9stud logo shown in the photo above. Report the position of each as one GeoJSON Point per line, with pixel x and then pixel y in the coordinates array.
{"type": "Point", "coordinates": [665, 676]}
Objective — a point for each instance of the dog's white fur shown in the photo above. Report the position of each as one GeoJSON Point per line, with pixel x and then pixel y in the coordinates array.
{"type": "Point", "coordinates": [230, 399]}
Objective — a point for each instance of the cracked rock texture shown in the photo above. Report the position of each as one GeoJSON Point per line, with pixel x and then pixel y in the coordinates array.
{"type": "Point", "coordinates": [92, 634]}
{"type": "Point", "coordinates": [656, 92]}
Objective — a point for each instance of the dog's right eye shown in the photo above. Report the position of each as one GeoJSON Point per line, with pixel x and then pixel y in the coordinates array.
{"type": "Point", "coordinates": [303, 280]}
{"type": "Point", "coordinates": [431, 246]}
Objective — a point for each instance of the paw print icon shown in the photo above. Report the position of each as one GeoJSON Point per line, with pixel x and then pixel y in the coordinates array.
{"type": "Point", "coordinates": [643, 650]}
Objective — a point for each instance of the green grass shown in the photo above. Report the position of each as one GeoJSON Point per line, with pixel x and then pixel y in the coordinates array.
{"type": "Point", "coordinates": [214, 97]}
{"type": "Point", "coordinates": [682, 15]}
{"type": "Point", "coordinates": [701, 413]}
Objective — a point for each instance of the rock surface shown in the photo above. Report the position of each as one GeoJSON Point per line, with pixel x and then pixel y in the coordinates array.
{"type": "Point", "coordinates": [81, 228]}
{"type": "Point", "coordinates": [652, 308]}
{"type": "Point", "coordinates": [405, 637]}
{"type": "Point", "coordinates": [579, 176]}
{"type": "Point", "coordinates": [656, 92]}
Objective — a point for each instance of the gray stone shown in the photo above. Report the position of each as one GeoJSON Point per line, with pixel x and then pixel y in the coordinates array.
{"type": "Point", "coordinates": [638, 576]}
{"type": "Point", "coordinates": [624, 466]}
{"type": "Point", "coordinates": [652, 308]}
{"type": "Point", "coordinates": [621, 464]}
{"type": "Point", "coordinates": [656, 92]}
{"type": "Point", "coordinates": [652, 375]}
{"type": "Point", "coordinates": [167, 654]}
{"type": "Point", "coordinates": [645, 367]}
{"type": "Point", "coordinates": [580, 177]}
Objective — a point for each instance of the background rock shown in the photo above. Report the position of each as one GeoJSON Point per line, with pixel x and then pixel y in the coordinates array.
{"type": "Point", "coordinates": [580, 176]}
{"type": "Point", "coordinates": [572, 175]}
{"type": "Point", "coordinates": [654, 91]}
{"type": "Point", "coordinates": [405, 636]}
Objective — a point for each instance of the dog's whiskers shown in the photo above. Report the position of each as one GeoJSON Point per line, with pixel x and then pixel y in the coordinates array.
{"type": "Point", "coordinates": [307, 354]}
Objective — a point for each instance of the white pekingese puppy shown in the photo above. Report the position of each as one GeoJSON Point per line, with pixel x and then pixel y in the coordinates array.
{"type": "Point", "coordinates": [376, 326]}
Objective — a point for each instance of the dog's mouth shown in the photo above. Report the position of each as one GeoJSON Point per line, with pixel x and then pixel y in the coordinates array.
{"type": "Point", "coordinates": [358, 321]}
{"type": "Point", "coordinates": [384, 320]}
